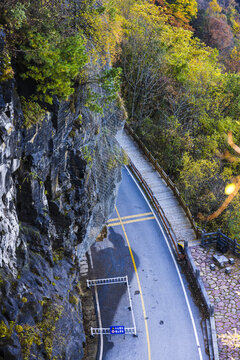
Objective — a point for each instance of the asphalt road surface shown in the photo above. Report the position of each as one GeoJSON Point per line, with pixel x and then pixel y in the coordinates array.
{"type": "Point", "coordinates": [168, 322]}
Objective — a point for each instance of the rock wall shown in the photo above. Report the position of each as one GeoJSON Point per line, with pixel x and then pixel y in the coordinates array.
{"type": "Point", "coordinates": [10, 154]}
{"type": "Point", "coordinates": [58, 183]}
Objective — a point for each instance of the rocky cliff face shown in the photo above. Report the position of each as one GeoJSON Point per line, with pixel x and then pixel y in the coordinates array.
{"type": "Point", "coordinates": [58, 183]}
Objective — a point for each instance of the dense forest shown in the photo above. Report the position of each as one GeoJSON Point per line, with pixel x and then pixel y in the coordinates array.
{"type": "Point", "coordinates": [181, 84]}
{"type": "Point", "coordinates": [178, 62]}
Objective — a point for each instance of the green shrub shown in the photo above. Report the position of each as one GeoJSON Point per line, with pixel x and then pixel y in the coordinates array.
{"type": "Point", "coordinates": [125, 158]}
{"type": "Point", "coordinates": [3, 329]}
{"type": "Point", "coordinates": [111, 81]}
{"type": "Point", "coordinates": [28, 336]}
{"type": "Point", "coordinates": [32, 111]}
{"type": "Point", "coordinates": [19, 328]}
{"type": "Point", "coordinates": [54, 63]}
{"type": "Point", "coordinates": [18, 15]}
{"type": "Point", "coordinates": [58, 255]}
{"type": "Point", "coordinates": [6, 71]}
{"type": "Point", "coordinates": [51, 314]}
{"type": "Point", "coordinates": [73, 299]}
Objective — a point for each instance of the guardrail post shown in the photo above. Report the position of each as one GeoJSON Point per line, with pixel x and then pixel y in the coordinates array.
{"type": "Point", "coordinates": [199, 232]}
{"type": "Point", "coordinates": [185, 246]}
{"type": "Point", "coordinates": [234, 246]}
{"type": "Point", "coordinates": [197, 273]}
{"type": "Point", "coordinates": [203, 237]}
{"type": "Point", "coordinates": [211, 310]}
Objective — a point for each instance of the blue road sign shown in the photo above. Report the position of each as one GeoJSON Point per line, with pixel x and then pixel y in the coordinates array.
{"type": "Point", "coordinates": [116, 330]}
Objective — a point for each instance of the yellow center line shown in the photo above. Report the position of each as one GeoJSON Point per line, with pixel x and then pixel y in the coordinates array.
{"type": "Point", "coordinates": [131, 216]}
{"type": "Point", "coordinates": [139, 285]}
{"type": "Point", "coordinates": [131, 221]}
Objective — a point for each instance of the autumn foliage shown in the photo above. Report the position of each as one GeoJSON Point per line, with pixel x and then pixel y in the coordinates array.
{"type": "Point", "coordinates": [182, 102]}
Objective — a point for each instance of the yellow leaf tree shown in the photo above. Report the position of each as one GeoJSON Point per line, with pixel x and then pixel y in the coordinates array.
{"type": "Point", "coordinates": [184, 9]}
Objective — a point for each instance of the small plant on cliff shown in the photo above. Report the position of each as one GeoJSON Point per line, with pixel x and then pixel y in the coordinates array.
{"type": "Point", "coordinates": [18, 16]}
{"type": "Point", "coordinates": [32, 111]}
{"type": "Point", "coordinates": [112, 162]}
{"type": "Point", "coordinates": [73, 300]}
{"type": "Point", "coordinates": [19, 329]}
{"type": "Point", "coordinates": [6, 331]}
{"type": "Point", "coordinates": [125, 158]}
{"type": "Point", "coordinates": [3, 329]}
{"type": "Point", "coordinates": [93, 102]}
{"type": "Point", "coordinates": [43, 332]}
{"type": "Point", "coordinates": [87, 154]}
{"type": "Point", "coordinates": [111, 81]}
{"type": "Point", "coordinates": [28, 336]}
{"type": "Point", "coordinates": [6, 71]}
{"type": "Point", "coordinates": [51, 314]}
{"type": "Point", "coordinates": [58, 254]}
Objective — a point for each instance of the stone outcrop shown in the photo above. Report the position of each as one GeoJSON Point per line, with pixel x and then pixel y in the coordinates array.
{"type": "Point", "coordinates": [10, 154]}
{"type": "Point", "coordinates": [58, 183]}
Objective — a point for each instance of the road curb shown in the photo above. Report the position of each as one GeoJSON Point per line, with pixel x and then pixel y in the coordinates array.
{"type": "Point", "coordinates": [89, 313]}
{"type": "Point", "coordinates": [211, 327]}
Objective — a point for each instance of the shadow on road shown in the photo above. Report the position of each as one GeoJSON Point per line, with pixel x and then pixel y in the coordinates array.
{"type": "Point", "coordinates": [112, 258]}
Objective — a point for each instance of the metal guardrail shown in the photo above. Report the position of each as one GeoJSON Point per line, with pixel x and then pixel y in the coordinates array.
{"type": "Point", "coordinates": [111, 281]}
{"type": "Point", "coordinates": [107, 281]}
{"type": "Point", "coordinates": [106, 331]}
{"type": "Point", "coordinates": [215, 237]}
{"type": "Point", "coordinates": [166, 178]}
{"type": "Point", "coordinates": [158, 208]}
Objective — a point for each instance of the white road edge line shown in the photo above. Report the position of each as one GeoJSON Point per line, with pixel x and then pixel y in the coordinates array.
{"type": "Point", "coordinates": [131, 305]}
{"type": "Point", "coordinates": [98, 310]}
{"type": "Point", "coordinates": [179, 275]}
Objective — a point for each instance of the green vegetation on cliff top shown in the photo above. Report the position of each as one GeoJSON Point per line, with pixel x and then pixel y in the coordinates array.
{"type": "Point", "coordinates": [182, 93]}
{"type": "Point", "coordinates": [51, 44]}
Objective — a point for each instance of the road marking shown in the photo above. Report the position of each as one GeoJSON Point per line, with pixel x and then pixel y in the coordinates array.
{"type": "Point", "coordinates": [131, 221]}
{"type": "Point", "coordinates": [139, 285]}
{"type": "Point", "coordinates": [131, 216]}
{"type": "Point", "coordinates": [179, 276]}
